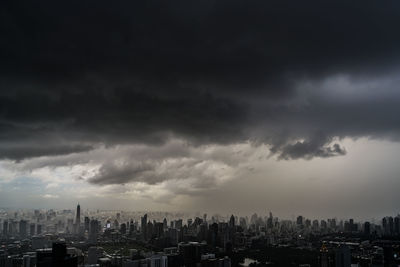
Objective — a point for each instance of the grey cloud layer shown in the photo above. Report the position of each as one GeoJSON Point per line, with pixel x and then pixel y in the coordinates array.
{"type": "Point", "coordinates": [76, 75]}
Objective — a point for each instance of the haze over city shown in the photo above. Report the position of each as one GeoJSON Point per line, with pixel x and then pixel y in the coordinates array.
{"type": "Point", "coordinates": [213, 106]}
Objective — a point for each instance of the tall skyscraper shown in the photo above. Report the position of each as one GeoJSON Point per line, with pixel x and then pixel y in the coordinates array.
{"type": "Point", "coordinates": [397, 225]}
{"type": "Point", "coordinates": [93, 231]}
{"type": "Point", "coordinates": [367, 228]}
{"type": "Point", "coordinates": [343, 256]}
{"type": "Point", "coordinates": [39, 229]}
{"type": "Point", "coordinates": [143, 226]}
{"type": "Point", "coordinates": [78, 215]}
{"type": "Point", "coordinates": [5, 228]}
{"type": "Point", "coordinates": [87, 222]}
{"type": "Point", "coordinates": [22, 228]}
{"type": "Point", "coordinates": [299, 221]}
{"type": "Point", "coordinates": [32, 227]}
{"type": "Point", "coordinates": [232, 221]}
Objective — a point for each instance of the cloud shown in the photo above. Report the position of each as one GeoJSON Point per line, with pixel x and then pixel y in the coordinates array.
{"type": "Point", "coordinates": [108, 89]}
{"type": "Point", "coordinates": [49, 196]}
{"type": "Point", "coordinates": [157, 172]}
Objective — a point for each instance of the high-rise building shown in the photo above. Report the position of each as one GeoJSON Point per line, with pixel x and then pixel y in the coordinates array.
{"type": "Point", "coordinates": [123, 228]}
{"type": "Point", "coordinates": [232, 221]}
{"type": "Point", "coordinates": [22, 228]}
{"type": "Point", "coordinates": [87, 222]}
{"type": "Point", "coordinates": [32, 227]}
{"type": "Point", "coordinates": [385, 226]}
{"type": "Point", "coordinates": [367, 228]}
{"type": "Point", "coordinates": [397, 225]}
{"type": "Point", "coordinates": [315, 224]}
{"type": "Point", "coordinates": [94, 254]}
{"type": "Point", "coordinates": [93, 231]}
{"type": "Point", "coordinates": [57, 256]}
{"type": "Point", "coordinates": [143, 226]}
{"type": "Point", "coordinates": [391, 225]}
{"type": "Point", "coordinates": [343, 256]}
{"type": "Point", "coordinates": [325, 258]}
{"type": "Point", "coordinates": [39, 229]}
{"type": "Point", "coordinates": [351, 225]}
{"type": "Point", "coordinates": [5, 228]}
{"type": "Point", "coordinates": [78, 215]}
{"type": "Point", "coordinates": [299, 220]}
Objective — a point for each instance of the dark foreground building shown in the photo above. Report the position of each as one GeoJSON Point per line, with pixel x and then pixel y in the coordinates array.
{"type": "Point", "coordinates": [56, 257]}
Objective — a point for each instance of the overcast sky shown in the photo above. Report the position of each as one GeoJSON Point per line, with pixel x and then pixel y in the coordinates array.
{"type": "Point", "coordinates": [213, 105]}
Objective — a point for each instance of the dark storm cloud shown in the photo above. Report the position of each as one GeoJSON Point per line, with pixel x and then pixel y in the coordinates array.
{"type": "Point", "coordinates": [206, 71]}
{"type": "Point", "coordinates": [20, 152]}
{"type": "Point", "coordinates": [316, 147]}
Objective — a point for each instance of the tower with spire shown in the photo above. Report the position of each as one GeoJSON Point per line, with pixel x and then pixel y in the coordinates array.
{"type": "Point", "coordinates": [78, 215]}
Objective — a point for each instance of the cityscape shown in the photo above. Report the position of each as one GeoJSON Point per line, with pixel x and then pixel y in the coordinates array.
{"type": "Point", "coordinates": [199, 133]}
{"type": "Point", "coordinates": [164, 239]}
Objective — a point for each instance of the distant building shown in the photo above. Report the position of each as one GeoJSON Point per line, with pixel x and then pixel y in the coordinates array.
{"type": "Point", "coordinates": [22, 228]}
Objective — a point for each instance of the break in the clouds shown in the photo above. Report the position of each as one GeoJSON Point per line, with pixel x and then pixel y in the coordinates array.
{"type": "Point", "coordinates": [91, 83]}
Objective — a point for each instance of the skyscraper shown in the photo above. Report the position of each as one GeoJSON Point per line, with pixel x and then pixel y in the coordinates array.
{"type": "Point", "coordinates": [93, 231]}
{"type": "Point", "coordinates": [144, 226]}
{"type": "Point", "coordinates": [343, 256]}
{"type": "Point", "coordinates": [32, 227]}
{"type": "Point", "coordinates": [78, 215]}
{"type": "Point", "coordinates": [5, 228]}
{"type": "Point", "coordinates": [367, 228]}
{"type": "Point", "coordinates": [22, 228]}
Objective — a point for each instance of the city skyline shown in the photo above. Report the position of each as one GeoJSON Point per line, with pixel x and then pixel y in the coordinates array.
{"type": "Point", "coordinates": [215, 106]}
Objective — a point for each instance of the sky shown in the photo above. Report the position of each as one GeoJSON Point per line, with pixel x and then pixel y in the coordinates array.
{"type": "Point", "coordinates": [214, 106]}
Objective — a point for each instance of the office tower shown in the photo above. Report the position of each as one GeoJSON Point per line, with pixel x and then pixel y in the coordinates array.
{"type": "Point", "coordinates": [93, 255]}
{"type": "Point", "coordinates": [158, 261]}
{"type": "Point", "coordinates": [32, 227]}
{"type": "Point", "coordinates": [323, 224]}
{"type": "Point", "coordinates": [315, 224]}
{"type": "Point", "coordinates": [143, 226]}
{"type": "Point", "coordinates": [131, 227]}
{"type": "Point", "coordinates": [87, 222]}
{"type": "Point", "coordinates": [39, 229]}
{"type": "Point", "coordinates": [385, 226]}
{"type": "Point", "coordinates": [332, 223]}
{"type": "Point", "coordinates": [159, 229]}
{"type": "Point", "coordinates": [232, 221]}
{"type": "Point", "coordinates": [270, 221]}
{"type": "Point", "coordinates": [93, 231]}
{"type": "Point", "coordinates": [149, 230]}
{"type": "Point", "coordinates": [78, 215]}
{"type": "Point", "coordinates": [11, 228]}
{"type": "Point", "coordinates": [57, 256]}
{"type": "Point", "coordinates": [22, 228]}
{"type": "Point", "coordinates": [178, 224]}
{"type": "Point", "coordinates": [5, 228]}
{"type": "Point", "coordinates": [351, 225]}
{"type": "Point", "coordinates": [343, 256]}
{"type": "Point", "coordinates": [191, 252]}
{"type": "Point", "coordinates": [325, 258]}
{"type": "Point", "coordinates": [397, 225]}
{"type": "Point", "coordinates": [391, 225]}
{"type": "Point", "coordinates": [165, 223]}
{"type": "Point", "coordinates": [26, 261]}
{"type": "Point", "coordinates": [123, 228]}
{"type": "Point", "coordinates": [299, 220]}
{"type": "Point", "coordinates": [367, 228]}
